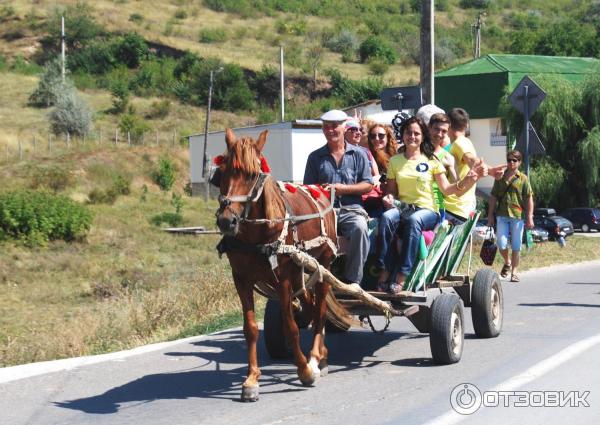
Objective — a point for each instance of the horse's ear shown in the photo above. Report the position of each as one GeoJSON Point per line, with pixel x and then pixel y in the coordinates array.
{"type": "Point", "coordinates": [262, 138]}
{"type": "Point", "coordinates": [229, 138]}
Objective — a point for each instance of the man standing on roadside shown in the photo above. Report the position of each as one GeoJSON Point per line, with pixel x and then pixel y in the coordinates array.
{"type": "Point", "coordinates": [346, 167]}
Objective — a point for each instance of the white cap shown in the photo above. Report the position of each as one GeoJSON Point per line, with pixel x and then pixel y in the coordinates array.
{"type": "Point", "coordinates": [426, 111]}
{"type": "Point", "coordinates": [334, 115]}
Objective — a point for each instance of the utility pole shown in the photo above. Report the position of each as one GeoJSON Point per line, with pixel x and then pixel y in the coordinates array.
{"type": "Point", "coordinates": [281, 85]}
{"type": "Point", "coordinates": [476, 27]}
{"type": "Point", "coordinates": [62, 43]}
{"type": "Point", "coordinates": [427, 51]}
{"type": "Point", "coordinates": [210, 90]}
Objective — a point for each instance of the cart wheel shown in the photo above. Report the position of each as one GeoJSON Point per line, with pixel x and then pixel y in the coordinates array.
{"type": "Point", "coordinates": [447, 333]}
{"type": "Point", "coordinates": [487, 304]}
{"type": "Point", "coordinates": [275, 341]}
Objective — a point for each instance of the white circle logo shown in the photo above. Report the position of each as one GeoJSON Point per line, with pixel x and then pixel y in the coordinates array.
{"type": "Point", "coordinates": [465, 399]}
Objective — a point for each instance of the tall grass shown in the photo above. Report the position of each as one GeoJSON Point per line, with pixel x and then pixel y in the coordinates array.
{"type": "Point", "coordinates": [129, 284]}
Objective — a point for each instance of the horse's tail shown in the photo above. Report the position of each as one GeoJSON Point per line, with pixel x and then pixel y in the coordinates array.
{"type": "Point", "coordinates": [338, 315]}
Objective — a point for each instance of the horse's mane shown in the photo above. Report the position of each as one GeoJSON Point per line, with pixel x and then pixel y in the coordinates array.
{"type": "Point", "coordinates": [244, 159]}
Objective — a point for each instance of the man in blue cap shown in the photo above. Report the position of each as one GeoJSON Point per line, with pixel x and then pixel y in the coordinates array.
{"type": "Point", "coordinates": [346, 167]}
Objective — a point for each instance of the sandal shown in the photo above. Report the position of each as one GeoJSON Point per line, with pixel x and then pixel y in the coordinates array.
{"type": "Point", "coordinates": [515, 278]}
{"type": "Point", "coordinates": [505, 270]}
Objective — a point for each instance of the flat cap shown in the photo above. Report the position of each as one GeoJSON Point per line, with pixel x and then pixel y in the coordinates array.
{"type": "Point", "coordinates": [334, 115]}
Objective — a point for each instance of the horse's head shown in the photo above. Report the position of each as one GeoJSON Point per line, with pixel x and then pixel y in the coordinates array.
{"type": "Point", "coordinates": [240, 171]}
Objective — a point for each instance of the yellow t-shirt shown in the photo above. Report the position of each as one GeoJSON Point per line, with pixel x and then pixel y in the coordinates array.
{"type": "Point", "coordinates": [465, 204]}
{"type": "Point", "coordinates": [414, 179]}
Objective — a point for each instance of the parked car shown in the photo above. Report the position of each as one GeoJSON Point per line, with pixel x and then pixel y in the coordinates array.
{"type": "Point", "coordinates": [584, 219]}
{"type": "Point", "coordinates": [555, 225]}
{"type": "Point", "coordinates": [482, 232]}
{"type": "Point", "coordinates": [544, 212]}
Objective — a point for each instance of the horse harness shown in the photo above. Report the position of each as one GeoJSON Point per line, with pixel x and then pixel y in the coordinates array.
{"type": "Point", "coordinates": [278, 247]}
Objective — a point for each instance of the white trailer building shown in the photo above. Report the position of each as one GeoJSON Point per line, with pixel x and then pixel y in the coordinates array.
{"type": "Point", "coordinates": [288, 146]}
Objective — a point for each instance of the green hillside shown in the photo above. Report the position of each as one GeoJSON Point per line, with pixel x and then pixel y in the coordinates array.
{"type": "Point", "coordinates": [336, 52]}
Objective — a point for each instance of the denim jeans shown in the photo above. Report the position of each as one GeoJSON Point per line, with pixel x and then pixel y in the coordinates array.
{"type": "Point", "coordinates": [388, 224]}
{"type": "Point", "coordinates": [504, 225]}
{"type": "Point", "coordinates": [410, 233]}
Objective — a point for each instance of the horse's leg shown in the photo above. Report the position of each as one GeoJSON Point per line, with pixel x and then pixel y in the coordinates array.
{"type": "Point", "coordinates": [318, 353]}
{"type": "Point", "coordinates": [250, 388]}
{"type": "Point", "coordinates": [306, 374]}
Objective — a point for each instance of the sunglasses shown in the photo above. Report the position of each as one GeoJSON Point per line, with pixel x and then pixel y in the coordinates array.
{"type": "Point", "coordinates": [512, 160]}
{"type": "Point", "coordinates": [355, 130]}
{"type": "Point", "coordinates": [380, 136]}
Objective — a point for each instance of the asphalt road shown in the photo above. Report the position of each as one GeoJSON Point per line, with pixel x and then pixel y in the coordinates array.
{"type": "Point", "coordinates": [548, 348]}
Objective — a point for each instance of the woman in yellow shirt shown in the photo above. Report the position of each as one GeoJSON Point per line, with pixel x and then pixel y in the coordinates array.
{"type": "Point", "coordinates": [411, 174]}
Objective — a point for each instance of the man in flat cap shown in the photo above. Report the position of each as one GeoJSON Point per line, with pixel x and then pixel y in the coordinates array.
{"type": "Point", "coordinates": [346, 167]}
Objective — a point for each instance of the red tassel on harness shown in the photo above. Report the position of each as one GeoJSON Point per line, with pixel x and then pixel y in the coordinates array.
{"type": "Point", "coordinates": [325, 192]}
{"type": "Point", "coordinates": [264, 167]}
{"type": "Point", "coordinates": [291, 188]}
{"type": "Point", "coordinates": [219, 160]}
{"type": "Point", "coordinates": [315, 193]}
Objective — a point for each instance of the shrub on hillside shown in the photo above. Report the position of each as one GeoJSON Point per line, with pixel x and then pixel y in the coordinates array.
{"type": "Point", "coordinates": [230, 88]}
{"type": "Point", "coordinates": [136, 18]}
{"type": "Point", "coordinates": [132, 124]}
{"type": "Point", "coordinates": [121, 185]}
{"type": "Point", "coordinates": [474, 4]}
{"type": "Point", "coordinates": [38, 217]}
{"type": "Point", "coordinates": [352, 92]}
{"type": "Point", "coordinates": [55, 178]}
{"type": "Point", "coordinates": [343, 42]}
{"type": "Point", "coordinates": [376, 47]}
{"type": "Point", "coordinates": [164, 176]}
{"type": "Point", "coordinates": [171, 219]}
{"type": "Point", "coordinates": [71, 114]}
{"type": "Point", "coordinates": [212, 35]}
{"type": "Point", "coordinates": [159, 109]}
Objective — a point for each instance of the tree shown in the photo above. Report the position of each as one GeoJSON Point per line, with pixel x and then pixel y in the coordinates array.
{"type": "Point", "coordinates": [131, 49]}
{"type": "Point", "coordinates": [50, 85]}
{"type": "Point", "coordinates": [314, 55]}
{"type": "Point", "coordinates": [71, 114]}
{"type": "Point", "coordinates": [568, 38]}
{"type": "Point", "coordinates": [80, 26]}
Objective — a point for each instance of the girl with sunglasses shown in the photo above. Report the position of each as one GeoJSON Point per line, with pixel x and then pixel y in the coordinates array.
{"type": "Point", "coordinates": [511, 199]}
{"type": "Point", "coordinates": [411, 174]}
{"type": "Point", "coordinates": [382, 145]}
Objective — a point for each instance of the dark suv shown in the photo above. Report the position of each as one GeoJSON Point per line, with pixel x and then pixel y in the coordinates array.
{"type": "Point", "coordinates": [585, 219]}
{"type": "Point", "coordinates": [555, 225]}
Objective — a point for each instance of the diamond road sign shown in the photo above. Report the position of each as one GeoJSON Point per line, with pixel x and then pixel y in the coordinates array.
{"type": "Point", "coordinates": [536, 147]}
{"type": "Point", "coordinates": [535, 95]}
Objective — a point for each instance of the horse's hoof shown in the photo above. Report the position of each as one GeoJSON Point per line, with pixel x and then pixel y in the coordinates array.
{"type": "Point", "coordinates": [314, 373]}
{"type": "Point", "coordinates": [250, 394]}
{"type": "Point", "coordinates": [324, 368]}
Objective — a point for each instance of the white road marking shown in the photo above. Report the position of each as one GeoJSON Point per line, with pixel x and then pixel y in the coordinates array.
{"type": "Point", "coordinates": [536, 371]}
{"type": "Point", "coordinates": [14, 373]}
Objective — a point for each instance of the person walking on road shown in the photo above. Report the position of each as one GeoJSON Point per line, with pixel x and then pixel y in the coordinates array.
{"type": "Point", "coordinates": [511, 200]}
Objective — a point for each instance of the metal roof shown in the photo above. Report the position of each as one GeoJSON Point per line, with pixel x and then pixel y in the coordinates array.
{"type": "Point", "coordinates": [478, 85]}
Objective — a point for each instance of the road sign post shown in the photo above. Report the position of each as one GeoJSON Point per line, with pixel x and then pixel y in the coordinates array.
{"type": "Point", "coordinates": [526, 98]}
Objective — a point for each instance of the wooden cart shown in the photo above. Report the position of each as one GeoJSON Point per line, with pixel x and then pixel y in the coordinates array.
{"type": "Point", "coordinates": [433, 299]}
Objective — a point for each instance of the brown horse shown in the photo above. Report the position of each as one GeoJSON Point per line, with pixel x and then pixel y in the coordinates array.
{"type": "Point", "coordinates": [258, 216]}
